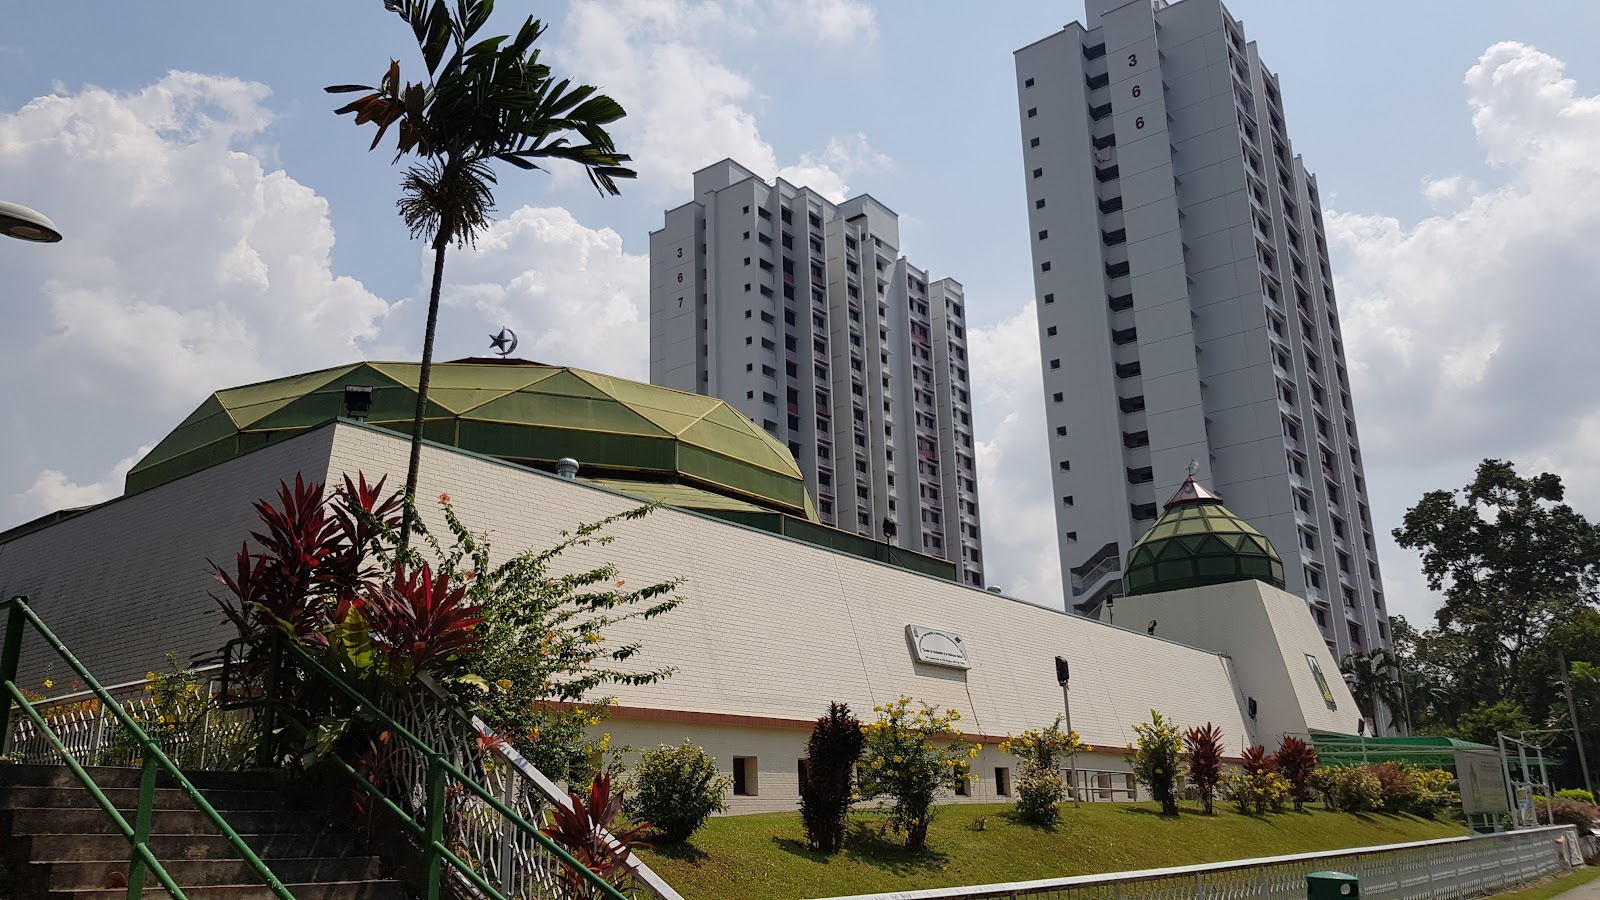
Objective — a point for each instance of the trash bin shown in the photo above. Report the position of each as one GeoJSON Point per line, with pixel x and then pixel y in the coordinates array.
{"type": "Point", "coordinates": [1332, 886]}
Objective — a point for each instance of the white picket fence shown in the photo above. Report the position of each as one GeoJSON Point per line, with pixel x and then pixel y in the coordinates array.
{"type": "Point", "coordinates": [1448, 869]}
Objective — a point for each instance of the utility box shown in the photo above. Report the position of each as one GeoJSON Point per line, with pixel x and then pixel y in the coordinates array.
{"type": "Point", "coordinates": [1332, 886]}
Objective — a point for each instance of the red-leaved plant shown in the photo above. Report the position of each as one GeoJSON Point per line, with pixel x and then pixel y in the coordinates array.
{"type": "Point", "coordinates": [585, 830]}
{"type": "Point", "coordinates": [418, 620]}
{"type": "Point", "coordinates": [1297, 762]}
{"type": "Point", "coordinates": [1258, 762]}
{"type": "Point", "coordinates": [1202, 747]}
{"type": "Point", "coordinates": [314, 559]}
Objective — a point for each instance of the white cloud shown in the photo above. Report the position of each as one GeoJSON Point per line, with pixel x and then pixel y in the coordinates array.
{"type": "Point", "coordinates": [1472, 333]}
{"type": "Point", "coordinates": [830, 21]}
{"type": "Point", "coordinates": [187, 266]}
{"type": "Point", "coordinates": [53, 490]}
{"type": "Point", "coordinates": [569, 292]}
{"type": "Point", "coordinates": [686, 110]}
{"type": "Point", "coordinates": [1019, 525]}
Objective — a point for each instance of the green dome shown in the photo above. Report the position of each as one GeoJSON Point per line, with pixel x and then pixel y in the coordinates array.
{"type": "Point", "coordinates": [517, 411]}
{"type": "Point", "coordinates": [1196, 542]}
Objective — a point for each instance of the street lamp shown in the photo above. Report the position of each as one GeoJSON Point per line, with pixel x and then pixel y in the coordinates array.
{"type": "Point", "coordinates": [1063, 673]}
{"type": "Point", "coordinates": [26, 224]}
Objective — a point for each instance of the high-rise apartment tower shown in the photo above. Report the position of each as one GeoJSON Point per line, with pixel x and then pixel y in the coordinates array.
{"type": "Point", "coordinates": [802, 314]}
{"type": "Point", "coordinates": [1186, 306]}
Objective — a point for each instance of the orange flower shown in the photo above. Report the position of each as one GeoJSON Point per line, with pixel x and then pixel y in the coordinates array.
{"type": "Point", "coordinates": [620, 583]}
{"type": "Point", "coordinates": [444, 498]}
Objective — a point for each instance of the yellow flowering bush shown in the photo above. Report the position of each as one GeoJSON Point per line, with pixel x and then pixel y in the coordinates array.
{"type": "Point", "coordinates": [1256, 792]}
{"type": "Point", "coordinates": [173, 714]}
{"type": "Point", "coordinates": [1154, 760]}
{"type": "Point", "coordinates": [1435, 791]}
{"type": "Point", "coordinates": [912, 752]}
{"type": "Point", "coordinates": [1040, 788]}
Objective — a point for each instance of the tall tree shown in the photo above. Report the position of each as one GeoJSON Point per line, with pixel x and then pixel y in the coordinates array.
{"type": "Point", "coordinates": [1512, 560]}
{"type": "Point", "coordinates": [482, 101]}
{"type": "Point", "coordinates": [1374, 679]}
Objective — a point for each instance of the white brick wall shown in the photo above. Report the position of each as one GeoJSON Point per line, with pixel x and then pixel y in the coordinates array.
{"type": "Point", "coordinates": [124, 583]}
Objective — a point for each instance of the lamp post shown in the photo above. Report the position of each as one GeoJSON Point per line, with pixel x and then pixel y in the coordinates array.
{"type": "Point", "coordinates": [26, 224]}
{"type": "Point", "coordinates": [1063, 672]}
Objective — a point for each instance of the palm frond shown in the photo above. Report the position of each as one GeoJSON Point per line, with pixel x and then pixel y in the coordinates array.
{"type": "Point", "coordinates": [447, 202]}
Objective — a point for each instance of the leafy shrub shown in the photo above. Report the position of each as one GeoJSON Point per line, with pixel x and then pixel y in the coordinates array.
{"type": "Point", "coordinates": [1203, 762]}
{"type": "Point", "coordinates": [1257, 792]}
{"type": "Point", "coordinates": [1398, 791]}
{"type": "Point", "coordinates": [173, 714]}
{"type": "Point", "coordinates": [1349, 788]}
{"type": "Point", "coordinates": [1296, 761]}
{"type": "Point", "coordinates": [1041, 788]}
{"type": "Point", "coordinates": [1576, 794]}
{"type": "Point", "coordinates": [1434, 791]}
{"type": "Point", "coordinates": [835, 746]}
{"type": "Point", "coordinates": [676, 788]}
{"type": "Point", "coordinates": [1039, 795]}
{"type": "Point", "coordinates": [1257, 787]}
{"type": "Point", "coordinates": [1155, 760]}
{"type": "Point", "coordinates": [1565, 811]}
{"type": "Point", "coordinates": [902, 762]}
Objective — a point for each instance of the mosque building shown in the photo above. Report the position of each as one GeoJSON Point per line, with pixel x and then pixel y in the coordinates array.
{"type": "Point", "coordinates": [781, 615]}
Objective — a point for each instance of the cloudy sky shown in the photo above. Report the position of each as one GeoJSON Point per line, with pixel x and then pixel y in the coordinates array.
{"type": "Point", "coordinates": [224, 227]}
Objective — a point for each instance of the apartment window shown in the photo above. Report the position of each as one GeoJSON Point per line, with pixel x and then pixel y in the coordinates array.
{"type": "Point", "coordinates": [1067, 500]}
{"type": "Point", "coordinates": [745, 777]}
{"type": "Point", "coordinates": [1028, 83]}
{"type": "Point", "coordinates": [1002, 781]}
{"type": "Point", "coordinates": [1051, 331]}
{"type": "Point", "coordinates": [1136, 439]}
{"type": "Point", "coordinates": [1066, 465]}
{"type": "Point", "coordinates": [1072, 536]}
{"type": "Point", "coordinates": [747, 212]}
{"type": "Point", "coordinates": [1055, 363]}
{"type": "Point", "coordinates": [1058, 397]}
{"type": "Point", "coordinates": [1033, 143]}
{"type": "Point", "coordinates": [1038, 173]}
{"type": "Point", "coordinates": [1044, 234]}
{"type": "Point", "coordinates": [1049, 298]}
{"type": "Point", "coordinates": [1142, 511]}
{"type": "Point", "coordinates": [1061, 431]}
{"type": "Point", "coordinates": [964, 786]}
{"type": "Point", "coordinates": [1033, 111]}
{"type": "Point", "coordinates": [1038, 204]}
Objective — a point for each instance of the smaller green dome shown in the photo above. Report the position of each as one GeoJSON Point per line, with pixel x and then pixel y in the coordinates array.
{"type": "Point", "coordinates": [1196, 542]}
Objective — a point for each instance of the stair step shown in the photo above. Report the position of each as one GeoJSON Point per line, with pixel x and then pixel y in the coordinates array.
{"type": "Point", "coordinates": [55, 820]}
{"type": "Point", "coordinates": [82, 847]}
{"type": "Point", "coordinates": [127, 798]}
{"type": "Point", "coordinates": [30, 775]}
{"type": "Point", "coordinates": [374, 889]}
{"type": "Point", "coordinates": [59, 876]}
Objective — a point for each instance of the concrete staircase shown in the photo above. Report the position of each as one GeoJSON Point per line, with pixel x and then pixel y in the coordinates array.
{"type": "Point", "coordinates": [57, 844]}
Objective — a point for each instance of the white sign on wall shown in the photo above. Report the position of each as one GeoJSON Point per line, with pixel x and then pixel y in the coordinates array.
{"type": "Point", "coordinates": [938, 648]}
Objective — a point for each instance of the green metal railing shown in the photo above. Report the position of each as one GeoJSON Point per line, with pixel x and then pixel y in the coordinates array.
{"type": "Point", "coordinates": [430, 831]}
{"type": "Point", "coordinates": [153, 762]}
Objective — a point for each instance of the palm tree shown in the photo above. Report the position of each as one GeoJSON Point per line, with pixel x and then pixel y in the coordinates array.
{"type": "Point", "coordinates": [483, 100]}
{"type": "Point", "coordinates": [1374, 679]}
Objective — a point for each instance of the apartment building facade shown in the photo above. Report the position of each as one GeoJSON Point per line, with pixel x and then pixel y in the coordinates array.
{"type": "Point", "coordinates": [802, 314]}
{"type": "Point", "coordinates": [1186, 308]}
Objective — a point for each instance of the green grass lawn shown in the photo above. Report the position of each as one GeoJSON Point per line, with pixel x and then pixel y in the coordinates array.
{"type": "Point", "coordinates": [764, 857]}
